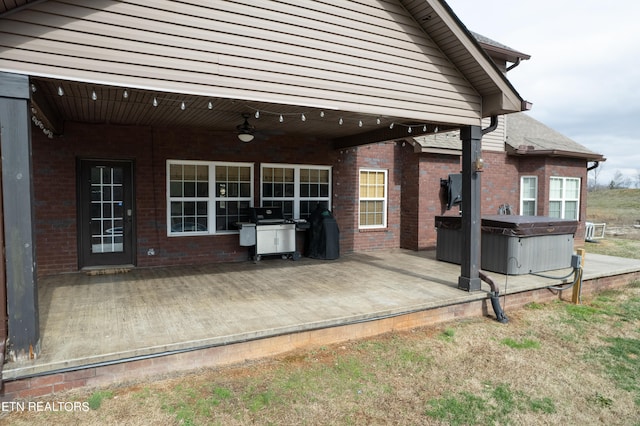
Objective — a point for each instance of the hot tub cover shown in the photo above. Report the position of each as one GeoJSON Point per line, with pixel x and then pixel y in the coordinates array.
{"type": "Point", "coordinates": [514, 225]}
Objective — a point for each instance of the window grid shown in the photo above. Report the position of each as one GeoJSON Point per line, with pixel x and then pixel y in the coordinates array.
{"type": "Point", "coordinates": [564, 197]}
{"type": "Point", "coordinates": [297, 189]}
{"type": "Point", "coordinates": [193, 208]}
{"type": "Point", "coordinates": [528, 195]}
{"type": "Point", "coordinates": [107, 215]}
{"type": "Point", "coordinates": [373, 198]}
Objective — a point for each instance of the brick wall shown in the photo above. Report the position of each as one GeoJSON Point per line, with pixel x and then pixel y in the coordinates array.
{"type": "Point", "coordinates": [382, 156]}
{"type": "Point", "coordinates": [54, 164]}
{"type": "Point", "coordinates": [414, 192]}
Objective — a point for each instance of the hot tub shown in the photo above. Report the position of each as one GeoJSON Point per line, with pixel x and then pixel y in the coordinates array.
{"type": "Point", "coordinates": [511, 244]}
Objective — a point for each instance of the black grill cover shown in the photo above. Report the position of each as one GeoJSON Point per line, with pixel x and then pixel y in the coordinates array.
{"type": "Point", "coordinates": [323, 235]}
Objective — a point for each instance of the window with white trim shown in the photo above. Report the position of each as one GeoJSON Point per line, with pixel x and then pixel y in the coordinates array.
{"type": "Point", "coordinates": [528, 195]}
{"type": "Point", "coordinates": [207, 197]}
{"type": "Point", "coordinates": [373, 199]}
{"type": "Point", "coordinates": [564, 197]}
{"type": "Point", "coordinates": [298, 189]}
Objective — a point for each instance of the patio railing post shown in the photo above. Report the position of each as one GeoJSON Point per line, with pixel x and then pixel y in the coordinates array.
{"type": "Point", "coordinates": [471, 137]}
{"type": "Point", "coordinates": [19, 236]}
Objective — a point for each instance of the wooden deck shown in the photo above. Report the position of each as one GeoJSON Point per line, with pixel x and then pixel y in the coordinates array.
{"type": "Point", "coordinates": [103, 319]}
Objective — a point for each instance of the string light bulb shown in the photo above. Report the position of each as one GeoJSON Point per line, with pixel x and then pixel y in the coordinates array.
{"type": "Point", "coordinates": [340, 121]}
{"type": "Point", "coordinates": [183, 106]}
{"type": "Point", "coordinates": [125, 94]}
{"type": "Point", "coordinates": [359, 123]}
{"type": "Point", "coordinates": [94, 96]}
{"type": "Point", "coordinates": [321, 114]}
{"type": "Point", "coordinates": [257, 114]}
{"type": "Point", "coordinates": [281, 119]}
{"type": "Point", "coordinates": [391, 125]}
{"type": "Point", "coordinates": [302, 117]}
{"type": "Point", "coordinates": [378, 120]}
{"type": "Point", "coordinates": [210, 105]}
{"type": "Point", "coordinates": [409, 129]}
{"type": "Point", "coordinates": [60, 91]}
{"type": "Point", "coordinates": [424, 128]}
{"type": "Point", "coordinates": [155, 101]}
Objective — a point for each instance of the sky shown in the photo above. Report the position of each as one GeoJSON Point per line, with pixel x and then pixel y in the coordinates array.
{"type": "Point", "coordinates": [583, 77]}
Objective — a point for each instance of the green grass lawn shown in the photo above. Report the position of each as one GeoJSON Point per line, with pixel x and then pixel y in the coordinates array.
{"type": "Point", "coordinates": [614, 206]}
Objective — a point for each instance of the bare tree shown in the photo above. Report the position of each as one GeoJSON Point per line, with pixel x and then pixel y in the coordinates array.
{"type": "Point", "coordinates": [592, 182]}
{"type": "Point", "coordinates": [619, 181]}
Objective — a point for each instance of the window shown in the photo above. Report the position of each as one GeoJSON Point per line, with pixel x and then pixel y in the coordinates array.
{"type": "Point", "coordinates": [297, 189]}
{"type": "Point", "coordinates": [564, 198]}
{"type": "Point", "coordinates": [373, 198]}
{"type": "Point", "coordinates": [528, 195]}
{"type": "Point", "coordinates": [206, 197]}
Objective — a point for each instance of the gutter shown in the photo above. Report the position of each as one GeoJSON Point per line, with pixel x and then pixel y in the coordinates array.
{"type": "Point", "coordinates": [594, 166]}
{"type": "Point", "coordinates": [526, 150]}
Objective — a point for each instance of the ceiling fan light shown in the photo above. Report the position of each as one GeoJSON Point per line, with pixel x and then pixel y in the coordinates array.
{"type": "Point", "coordinates": [245, 137]}
{"type": "Point", "coordinates": [245, 130]}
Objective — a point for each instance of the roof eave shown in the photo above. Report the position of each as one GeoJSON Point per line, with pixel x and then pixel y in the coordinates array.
{"type": "Point", "coordinates": [555, 153]}
{"type": "Point", "coordinates": [504, 99]}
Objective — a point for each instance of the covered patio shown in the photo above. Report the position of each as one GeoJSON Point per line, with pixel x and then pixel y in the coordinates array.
{"type": "Point", "coordinates": [103, 319]}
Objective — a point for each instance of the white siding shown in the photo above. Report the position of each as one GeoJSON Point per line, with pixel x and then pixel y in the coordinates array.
{"type": "Point", "coordinates": [366, 56]}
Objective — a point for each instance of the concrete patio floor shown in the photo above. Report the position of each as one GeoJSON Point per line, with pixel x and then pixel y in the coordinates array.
{"type": "Point", "coordinates": [102, 319]}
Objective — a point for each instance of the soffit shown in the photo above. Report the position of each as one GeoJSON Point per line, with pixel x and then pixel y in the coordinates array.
{"type": "Point", "coordinates": [464, 51]}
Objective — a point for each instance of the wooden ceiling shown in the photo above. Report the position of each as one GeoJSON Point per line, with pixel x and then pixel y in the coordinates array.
{"type": "Point", "coordinates": [55, 101]}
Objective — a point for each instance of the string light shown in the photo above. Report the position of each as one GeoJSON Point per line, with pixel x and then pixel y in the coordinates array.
{"type": "Point", "coordinates": [281, 115]}
{"type": "Point", "coordinates": [38, 123]}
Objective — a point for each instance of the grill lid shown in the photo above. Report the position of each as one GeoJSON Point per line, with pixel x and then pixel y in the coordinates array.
{"type": "Point", "coordinates": [264, 215]}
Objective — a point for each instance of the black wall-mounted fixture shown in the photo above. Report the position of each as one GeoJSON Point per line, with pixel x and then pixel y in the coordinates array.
{"type": "Point", "coordinates": [453, 189]}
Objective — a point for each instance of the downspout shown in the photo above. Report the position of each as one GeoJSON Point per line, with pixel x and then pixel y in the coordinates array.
{"type": "Point", "coordinates": [515, 64]}
{"type": "Point", "coordinates": [492, 125]}
{"type": "Point", "coordinates": [494, 295]}
{"type": "Point", "coordinates": [594, 166]}
{"type": "Point", "coordinates": [495, 292]}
